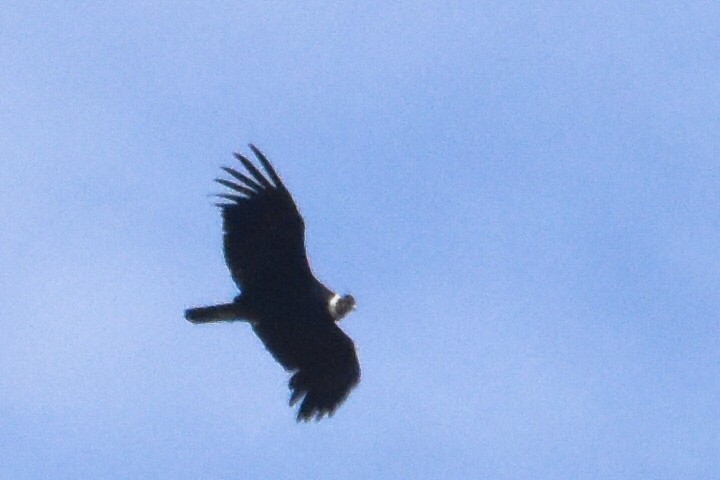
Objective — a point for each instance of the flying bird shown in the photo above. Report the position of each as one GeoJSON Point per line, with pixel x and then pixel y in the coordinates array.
{"type": "Point", "coordinates": [292, 313]}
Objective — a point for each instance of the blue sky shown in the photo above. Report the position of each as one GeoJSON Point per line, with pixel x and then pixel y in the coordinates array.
{"type": "Point", "coordinates": [523, 197]}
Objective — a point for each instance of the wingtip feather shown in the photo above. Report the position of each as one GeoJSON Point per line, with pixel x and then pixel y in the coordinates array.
{"type": "Point", "coordinates": [267, 166]}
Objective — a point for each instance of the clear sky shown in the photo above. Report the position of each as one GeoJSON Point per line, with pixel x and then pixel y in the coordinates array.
{"type": "Point", "coordinates": [524, 198]}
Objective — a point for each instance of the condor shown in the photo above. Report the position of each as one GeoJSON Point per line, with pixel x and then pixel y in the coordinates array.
{"type": "Point", "coordinates": [292, 313]}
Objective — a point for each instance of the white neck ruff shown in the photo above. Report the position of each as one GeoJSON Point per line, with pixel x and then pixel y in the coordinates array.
{"type": "Point", "coordinates": [332, 306]}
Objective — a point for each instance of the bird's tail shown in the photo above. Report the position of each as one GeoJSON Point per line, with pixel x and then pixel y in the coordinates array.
{"type": "Point", "coordinates": [226, 312]}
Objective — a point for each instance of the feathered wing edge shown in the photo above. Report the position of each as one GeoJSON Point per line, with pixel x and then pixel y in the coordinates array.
{"type": "Point", "coordinates": [325, 384]}
{"type": "Point", "coordinates": [248, 187]}
{"type": "Point", "coordinates": [259, 204]}
{"type": "Point", "coordinates": [313, 407]}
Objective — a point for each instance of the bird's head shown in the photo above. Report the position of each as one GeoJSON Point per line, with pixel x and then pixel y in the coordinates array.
{"type": "Point", "coordinates": [340, 306]}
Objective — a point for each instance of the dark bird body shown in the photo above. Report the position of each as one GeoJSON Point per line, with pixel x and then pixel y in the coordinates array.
{"type": "Point", "coordinates": [292, 313]}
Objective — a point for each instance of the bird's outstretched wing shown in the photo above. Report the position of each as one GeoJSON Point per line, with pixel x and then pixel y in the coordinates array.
{"type": "Point", "coordinates": [264, 232]}
{"type": "Point", "coordinates": [323, 361]}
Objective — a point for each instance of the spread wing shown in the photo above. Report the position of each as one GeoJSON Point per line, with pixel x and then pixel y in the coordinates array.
{"type": "Point", "coordinates": [323, 360]}
{"type": "Point", "coordinates": [264, 232]}
{"type": "Point", "coordinates": [264, 245]}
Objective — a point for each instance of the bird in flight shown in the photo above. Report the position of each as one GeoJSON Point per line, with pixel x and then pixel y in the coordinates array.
{"type": "Point", "coordinates": [292, 313]}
